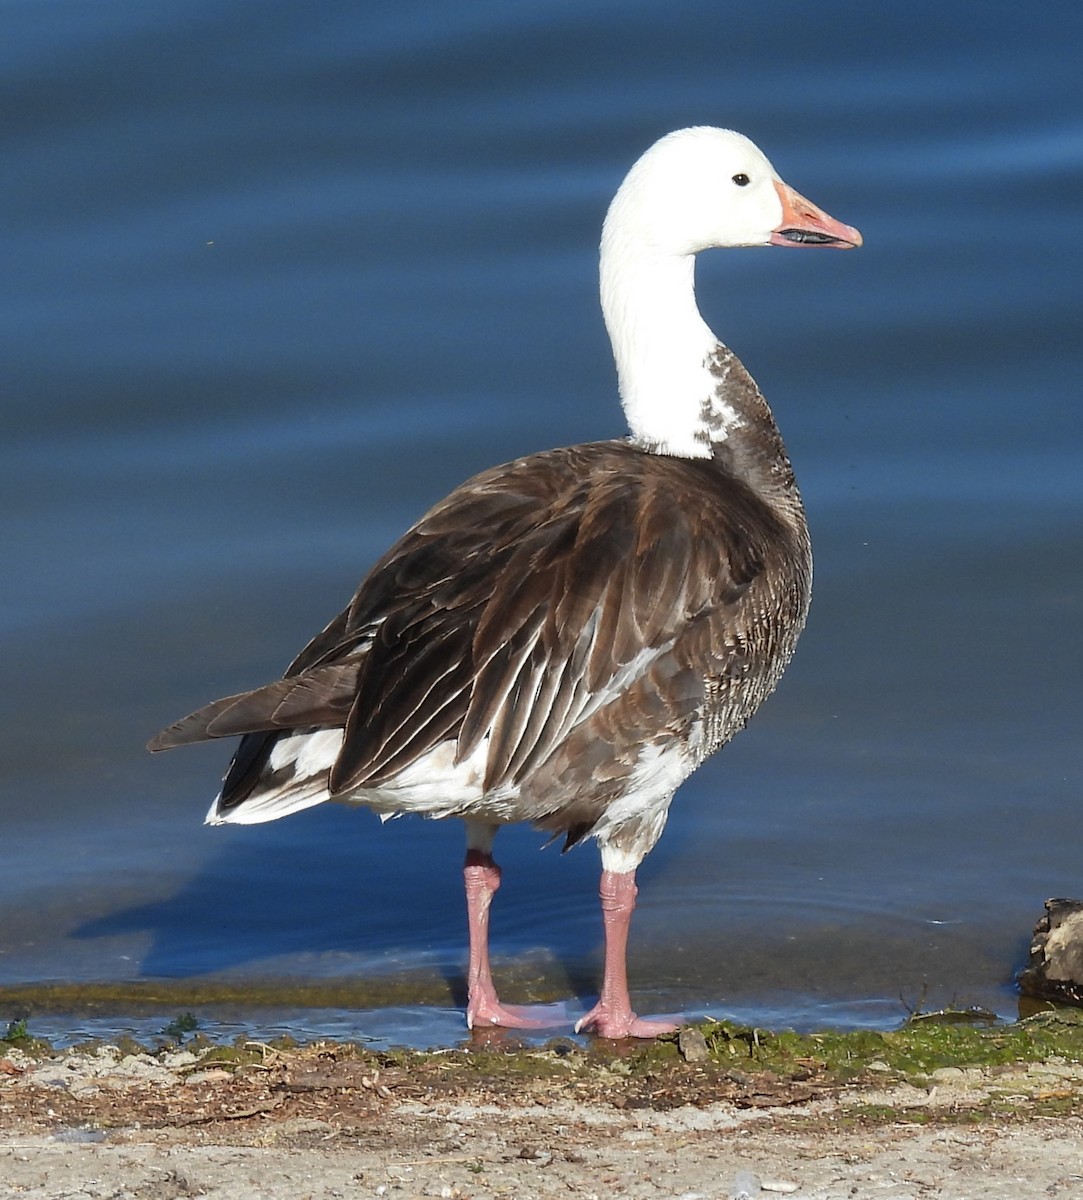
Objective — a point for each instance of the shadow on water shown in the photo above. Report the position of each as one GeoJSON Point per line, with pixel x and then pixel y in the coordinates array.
{"type": "Point", "coordinates": [315, 897]}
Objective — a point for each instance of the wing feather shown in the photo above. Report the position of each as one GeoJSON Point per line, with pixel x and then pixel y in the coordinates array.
{"type": "Point", "coordinates": [519, 606]}
{"type": "Point", "coordinates": [321, 696]}
{"type": "Point", "coordinates": [543, 616]}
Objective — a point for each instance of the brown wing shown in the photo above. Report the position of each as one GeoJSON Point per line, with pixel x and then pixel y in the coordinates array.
{"type": "Point", "coordinates": [532, 596]}
{"type": "Point", "coordinates": [526, 600]}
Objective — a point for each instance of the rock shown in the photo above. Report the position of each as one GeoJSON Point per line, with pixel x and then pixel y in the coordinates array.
{"type": "Point", "coordinates": [692, 1045]}
{"type": "Point", "coordinates": [1055, 970]}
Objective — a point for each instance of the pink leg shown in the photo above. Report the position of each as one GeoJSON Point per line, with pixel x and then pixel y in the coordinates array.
{"type": "Point", "coordinates": [612, 1016]}
{"type": "Point", "coordinates": [483, 1007]}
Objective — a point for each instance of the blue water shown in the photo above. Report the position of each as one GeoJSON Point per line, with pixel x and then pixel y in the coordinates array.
{"type": "Point", "coordinates": [278, 276]}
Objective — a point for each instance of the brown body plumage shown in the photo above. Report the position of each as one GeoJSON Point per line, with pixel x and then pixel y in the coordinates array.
{"type": "Point", "coordinates": [569, 609]}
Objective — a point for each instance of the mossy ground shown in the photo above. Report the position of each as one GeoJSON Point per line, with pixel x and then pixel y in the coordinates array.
{"type": "Point", "coordinates": [924, 1044]}
{"type": "Point", "coordinates": [1018, 1069]}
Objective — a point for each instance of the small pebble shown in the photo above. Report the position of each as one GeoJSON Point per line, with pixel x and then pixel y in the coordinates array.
{"type": "Point", "coordinates": [211, 1075]}
{"type": "Point", "coordinates": [78, 1136]}
{"type": "Point", "coordinates": [778, 1185]}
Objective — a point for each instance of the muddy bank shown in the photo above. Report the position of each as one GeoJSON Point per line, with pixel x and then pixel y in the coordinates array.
{"type": "Point", "coordinates": [736, 1111]}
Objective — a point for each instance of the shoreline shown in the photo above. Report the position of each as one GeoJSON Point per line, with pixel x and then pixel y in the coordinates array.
{"type": "Point", "coordinates": [938, 1109]}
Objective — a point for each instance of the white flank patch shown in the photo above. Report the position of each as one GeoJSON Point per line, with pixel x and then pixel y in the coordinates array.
{"type": "Point", "coordinates": [434, 786]}
{"type": "Point", "coordinates": [657, 775]}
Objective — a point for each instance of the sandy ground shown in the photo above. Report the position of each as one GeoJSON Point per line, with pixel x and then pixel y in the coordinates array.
{"type": "Point", "coordinates": [323, 1122]}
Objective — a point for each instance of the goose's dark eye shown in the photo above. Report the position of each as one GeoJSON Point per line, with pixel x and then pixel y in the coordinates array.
{"type": "Point", "coordinates": [741, 179]}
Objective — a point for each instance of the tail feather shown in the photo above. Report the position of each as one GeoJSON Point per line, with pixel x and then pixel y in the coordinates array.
{"type": "Point", "coordinates": [321, 696]}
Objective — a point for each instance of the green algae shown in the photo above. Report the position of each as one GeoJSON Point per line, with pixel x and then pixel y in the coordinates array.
{"type": "Point", "coordinates": [16, 1032]}
{"type": "Point", "coordinates": [925, 1043]}
{"type": "Point", "coordinates": [17, 1036]}
{"type": "Point", "coordinates": [181, 1026]}
{"type": "Point", "coordinates": [153, 995]}
{"type": "Point", "coordinates": [921, 1046]}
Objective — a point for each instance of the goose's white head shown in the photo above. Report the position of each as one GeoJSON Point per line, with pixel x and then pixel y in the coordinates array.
{"type": "Point", "coordinates": [701, 188]}
{"type": "Point", "coordinates": [693, 190]}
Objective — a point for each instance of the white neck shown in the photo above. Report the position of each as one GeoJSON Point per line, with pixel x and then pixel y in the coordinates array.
{"type": "Point", "coordinates": [662, 348]}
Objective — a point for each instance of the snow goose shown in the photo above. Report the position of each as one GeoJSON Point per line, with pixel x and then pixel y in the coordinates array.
{"type": "Point", "coordinates": [565, 638]}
